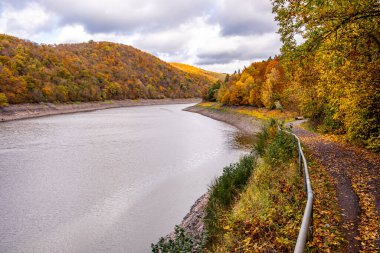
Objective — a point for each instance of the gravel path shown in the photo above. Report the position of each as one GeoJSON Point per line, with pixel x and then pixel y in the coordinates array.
{"type": "Point", "coordinates": [357, 176]}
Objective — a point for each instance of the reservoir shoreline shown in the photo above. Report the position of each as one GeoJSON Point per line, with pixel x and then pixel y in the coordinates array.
{"type": "Point", "coordinates": [246, 124]}
{"type": "Point", "coordinates": [91, 170]}
{"type": "Point", "coordinates": [26, 111]}
{"type": "Point", "coordinates": [193, 223]}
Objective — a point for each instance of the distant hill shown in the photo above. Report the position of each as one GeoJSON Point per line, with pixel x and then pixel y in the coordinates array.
{"type": "Point", "coordinates": [213, 76]}
{"type": "Point", "coordinates": [91, 71]}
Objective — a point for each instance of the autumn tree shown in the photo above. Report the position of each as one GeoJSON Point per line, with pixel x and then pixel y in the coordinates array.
{"type": "Point", "coordinates": [261, 84]}
{"type": "Point", "coordinates": [93, 71]}
{"type": "Point", "coordinates": [267, 92]}
{"type": "Point", "coordinates": [336, 63]}
{"type": "Point", "coordinates": [3, 100]}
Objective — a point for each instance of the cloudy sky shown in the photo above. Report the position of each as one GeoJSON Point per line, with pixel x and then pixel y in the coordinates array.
{"type": "Point", "coordinates": [219, 35]}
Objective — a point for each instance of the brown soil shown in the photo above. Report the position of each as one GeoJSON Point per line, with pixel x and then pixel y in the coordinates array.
{"type": "Point", "coordinates": [248, 125]}
{"type": "Point", "coordinates": [357, 177]}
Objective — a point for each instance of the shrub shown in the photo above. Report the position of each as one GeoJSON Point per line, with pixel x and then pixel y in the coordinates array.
{"type": "Point", "coordinates": [3, 100]}
{"type": "Point", "coordinates": [263, 216]}
{"type": "Point", "coordinates": [225, 188]}
{"type": "Point", "coordinates": [263, 137]}
{"type": "Point", "coordinates": [281, 149]}
{"type": "Point", "coordinates": [233, 179]}
{"type": "Point", "coordinates": [183, 242]}
{"type": "Point", "coordinates": [276, 147]}
{"type": "Point", "coordinates": [212, 92]}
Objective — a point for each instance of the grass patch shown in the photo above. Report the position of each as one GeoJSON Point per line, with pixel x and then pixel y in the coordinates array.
{"type": "Point", "coordinates": [262, 114]}
{"type": "Point", "coordinates": [108, 102]}
{"type": "Point", "coordinates": [308, 126]}
{"type": "Point", "coordinates": [266, 216]}
{"type": "Point", "coordinates": [225, 189]}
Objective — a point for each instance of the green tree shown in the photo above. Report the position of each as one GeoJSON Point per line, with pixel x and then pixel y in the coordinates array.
{"type": "Point", "coordinates": [213, 91]}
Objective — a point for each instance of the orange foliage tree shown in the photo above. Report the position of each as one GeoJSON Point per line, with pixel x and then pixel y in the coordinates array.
{"type": "Point", "coordinates": [92, 71]}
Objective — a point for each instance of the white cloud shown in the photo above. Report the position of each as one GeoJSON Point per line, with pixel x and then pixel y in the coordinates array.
{"type": "Point", "coordinates": [25, 22]}
{"type": "Point", "coordinates": [73, 33]}
{"type": "Point", "coordinates": [229, 67]}
{"type": "Point", "coordinates": [222, 35]}
{"type": "Point", "coordinates": [200, 43]}
{"type": "Point", "coordinates": [127, 15]}
{"type": "Point", "coordinates": [242, 17]}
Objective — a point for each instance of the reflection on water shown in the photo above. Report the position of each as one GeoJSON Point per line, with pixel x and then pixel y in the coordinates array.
{"type": "Point", "coordinates": [106, 181]}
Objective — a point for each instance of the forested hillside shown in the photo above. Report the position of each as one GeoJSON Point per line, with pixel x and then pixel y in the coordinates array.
{"type": "Point", "coordinates": [213, 76]}
{"type": "Point", "coordinates": [331, 75]}
{"type": "Point", "coordinates": [91, 71]}
{"type": "Point", "coordinates": [263, 84]}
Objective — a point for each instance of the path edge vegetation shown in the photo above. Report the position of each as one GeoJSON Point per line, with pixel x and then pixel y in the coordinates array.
{"type": "Point", "coordinates": [257, 204]}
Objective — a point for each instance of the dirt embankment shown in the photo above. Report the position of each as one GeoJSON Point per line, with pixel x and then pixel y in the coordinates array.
{"type": "Point", "coordinates": [24, 111]}
{"type": "Point", "coordinates": [248, 125]}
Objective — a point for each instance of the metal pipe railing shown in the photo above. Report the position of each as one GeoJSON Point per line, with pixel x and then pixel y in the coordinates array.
{"type": "Point", "coordinates": [306, 230]}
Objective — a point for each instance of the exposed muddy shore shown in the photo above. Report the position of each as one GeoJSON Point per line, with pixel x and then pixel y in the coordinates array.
{"type": "Point", "coordinates": [24, 111]}
{"type": "Point", "coordinates": [246, 124]}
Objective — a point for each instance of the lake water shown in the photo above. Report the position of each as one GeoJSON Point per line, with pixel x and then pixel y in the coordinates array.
{"type": "Point", "coordinates": [106, 181]}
